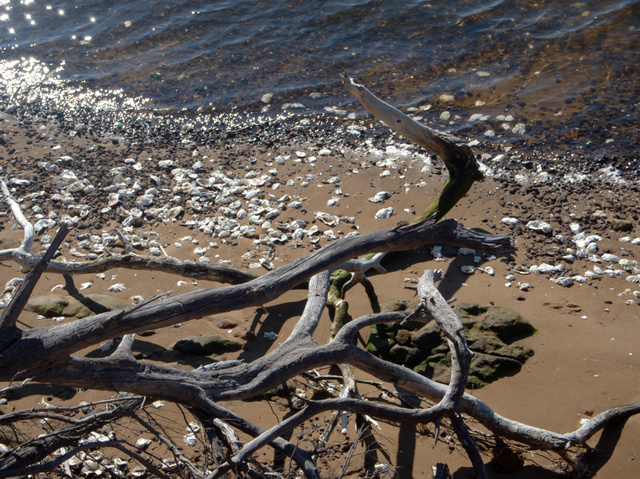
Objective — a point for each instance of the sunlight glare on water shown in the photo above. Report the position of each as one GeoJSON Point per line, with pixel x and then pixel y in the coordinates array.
{"type": "Point", "coordinates": [566, 70]}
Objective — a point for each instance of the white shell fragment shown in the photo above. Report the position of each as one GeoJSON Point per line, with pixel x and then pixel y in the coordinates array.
{"type": "Point", "coordinates": [627, 264]}
{"type": "Point", "coordinates": [487, 269]}
{"type": "Point", "coordinates": [327, 219]}
{"type": "Point", "coordinates": [563, 281]}
{"type": "Point", "coordinates": [510, 221]}
{"type": "Point", "coordinates": [117, 288]}
{"type": "Point", "coordinates": [189, 439]}
{"type": "Point", "coordinates": [468, 269]}
{"type": "Point", "coordinates": [380, 197]}
{"type": "Point", "coordinates": [143, 443]}
{"type": "Point", "coordinates": [546, 268]}
{"type": "Point", "coordinates": [591, 275]}
{"type": "Point", "coordinates": [539, 226]}
{"type": "Point", "coordinates": [611, 258]}
{"type": "Point", "coordinates": [384, 213]}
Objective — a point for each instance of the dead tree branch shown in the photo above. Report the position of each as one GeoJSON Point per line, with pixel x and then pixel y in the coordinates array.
{"type": "Point", "coordinates": [456, 154]}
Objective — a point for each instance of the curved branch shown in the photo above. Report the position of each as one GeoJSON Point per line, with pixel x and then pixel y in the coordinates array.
{"type": "Point", "coordinates": [28, 238]}
{"type": "Point", "coordinates": [456, 154]}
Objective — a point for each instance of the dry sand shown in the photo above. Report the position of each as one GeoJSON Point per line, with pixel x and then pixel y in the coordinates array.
{"type": "Point", "coordinates": [587, 357]}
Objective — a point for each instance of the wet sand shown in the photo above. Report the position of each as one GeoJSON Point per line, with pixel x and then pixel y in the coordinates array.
{"type": "Point", "coordinates": [586, 350]}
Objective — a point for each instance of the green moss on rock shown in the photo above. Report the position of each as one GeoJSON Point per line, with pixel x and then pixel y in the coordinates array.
{"type": "Point", "coordinates": [206, 343]}
{"type": "Point", "coordinates": [490, 332]}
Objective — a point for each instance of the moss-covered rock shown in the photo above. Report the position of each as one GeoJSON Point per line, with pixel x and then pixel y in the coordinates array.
{"type": "Point", "coordinates": [507, 323]}
{"type": "Point", "coordinates": [54, 305]}
{"type": "Point", "coordinates": [490, 330]}
{"type": "Point", "coordinates": [206, 343]}
{"type": "Point", "coordinates": [404, 355]}
{"type": "Point", "coordinates": [488, 367]}
{"type": "Point", "coordinates": [380, 341]}
{"type": "Point", "coordinates": [427, 338]}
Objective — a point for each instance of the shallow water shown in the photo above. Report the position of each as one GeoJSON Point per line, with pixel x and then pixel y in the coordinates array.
{"type": "Point", "coordinates": [566, 71]}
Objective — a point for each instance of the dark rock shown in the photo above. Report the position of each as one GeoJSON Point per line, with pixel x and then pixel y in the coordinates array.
{"type": "Point", "coordinates": [506, 459]}
{"type": "Point", "coordinates": [224, 323]}
{"type": "Point", "coordinates": [380, 341]}
{"type": "Point", "coordinates": [427, 338]}
{"type": "Point", "coordinates": [206, 343]}
{"type": "Point", "coordinates": [54, 305]}
{"type": "Point", "coordinates": [403, 337]}
{"type": "Point", "coordinates": [487, 368]}
{"type": "Point", "coordinates": [399, 305]}
{"type": "Point", "coordinates": [490, 332]}
{"type": "Point", "coordinates": [507, 323]}
{"type": "Point", "coordinates": [620, 225]}
{"type": "Point", "coordinates": [404, 355]}
{"type": "Point", "coordinates": [438, 371]}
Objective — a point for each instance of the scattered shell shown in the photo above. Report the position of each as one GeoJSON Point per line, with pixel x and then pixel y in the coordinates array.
{"type": "Point", "coordinates": [117, 288]}
{"type": "Point", "coordinates": [190, 439]}
{"type": "Point", "coordinates": [266, 264]}
{"type": "Point", "coordinates": [193, 427]}
{"type": "Point", "coordinates": [468, 269]}
{"type": "Point", "coordinates": [510, 221]}
{"type": "Point", "coordinates": [633, 279]}
{"type": "Point", "coordinates": [591, 275]}
{"type": "Point", "coordinates": [611, 258]}
{"type": "Point", "coordinates": [138, 471]}
{"type": "Point", "coordinates": [520, 269]}
{"type": "Point", "coordinates": [627, 264]}
{"type": "Point", "coordinates": [271, 336]}
{"type": "Point", "coordinates": [327, 219]}
{"type": "Point", "coordinates": [546, 268]}
{"type": "Point", "coordinates": [489, 270]}
{"type": "Point", "coordinates": [380, 197]}
{"type": "Point", "coordinates": [525, 287]}
{"type": "Point", "coordinates": [539, 226]}
{"type": "Point", "coordinates": [563, 281]}
{"type": "Point", "coordinates": [384, 213]}
{"type": "Point", "coordinates": [143, 443]}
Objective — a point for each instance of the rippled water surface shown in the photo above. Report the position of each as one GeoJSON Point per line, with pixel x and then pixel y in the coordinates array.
{"type": "Point", "coordinates": [567, 71]}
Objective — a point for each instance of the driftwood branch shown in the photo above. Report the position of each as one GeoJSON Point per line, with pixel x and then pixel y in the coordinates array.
{"type": "Point", "coordinates": [458, 157]}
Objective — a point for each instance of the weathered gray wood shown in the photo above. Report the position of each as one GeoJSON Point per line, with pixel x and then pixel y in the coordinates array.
{"type": "Point", "coordinates": [454, 152]}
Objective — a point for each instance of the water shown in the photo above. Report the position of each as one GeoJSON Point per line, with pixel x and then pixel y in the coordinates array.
{"type": "Point", "coordinates": [567, 71]}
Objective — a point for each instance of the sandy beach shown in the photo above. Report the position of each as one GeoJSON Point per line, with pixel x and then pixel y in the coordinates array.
{"type": "Point", "coordinates": [586, 354]}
